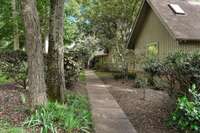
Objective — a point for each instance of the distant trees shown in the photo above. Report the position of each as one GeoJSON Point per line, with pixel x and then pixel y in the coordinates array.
{"type": "Point", "coordinates": [111, 21]}
{"type": "Point", "coordinates": [36, 80]}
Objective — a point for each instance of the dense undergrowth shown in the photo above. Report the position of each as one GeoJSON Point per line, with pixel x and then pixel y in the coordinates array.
{"type": "Point", "coordinates": [73, 116]}
{"type": "Point", "coordinates": [179, 71]}
{"type": "Point", "coordinates": [186, 117]}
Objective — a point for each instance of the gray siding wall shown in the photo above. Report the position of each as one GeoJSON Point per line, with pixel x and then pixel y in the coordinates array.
{"type": "Point", "coordinates": [154, 31]}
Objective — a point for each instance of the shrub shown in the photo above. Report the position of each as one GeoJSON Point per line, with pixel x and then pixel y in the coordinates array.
{"type": "Point", "coordinates": [74, 116]}
{"type": "Point", "coordinates": [117, 75]}
{"type": "Point", "coordinates": [187, 114]}
{"type": "Point", "coordinates": [102, 66]}
{"type": "Point", "coordinates": [154, 68]}
{"type": "Point", "coordinates": [131, 76]}
{"type": "Point", "coordinates": [179, 69]}
{"type": "Point", "coordinates": [13, 64]}
{"type": "Point", "coordinates": [72, 70]}
{"type": "Point", "coordinates": [140, 83]}
{"type": "Point", "coordinates": [82, 76]}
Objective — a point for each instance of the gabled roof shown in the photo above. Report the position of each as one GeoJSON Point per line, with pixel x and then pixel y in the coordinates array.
{"type": "Point", "coordinates": [181, 27]}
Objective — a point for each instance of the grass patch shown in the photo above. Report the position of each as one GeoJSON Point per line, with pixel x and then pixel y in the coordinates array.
{"type": "Point", "coordinates": [7, 127]}
{"type": "Point", "coordinates": [104, 74]}
{"type": "Point", "coordinates": [73, 116]}
{"type": "Point", "coordinates": [4, 79]}
{"type": "Point", "coordinates": [82, 76]}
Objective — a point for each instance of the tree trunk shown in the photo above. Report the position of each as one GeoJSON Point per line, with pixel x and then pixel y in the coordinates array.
{"type": "Point", "coordinates": [16, 33]}
{"type": "Point", "coordinates": [55, 62]}
{"type": "Point", "coordinates": [36, 80]}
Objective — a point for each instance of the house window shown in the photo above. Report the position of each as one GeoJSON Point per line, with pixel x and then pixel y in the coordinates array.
{"type": "Point", "coordinates": [152, 49]}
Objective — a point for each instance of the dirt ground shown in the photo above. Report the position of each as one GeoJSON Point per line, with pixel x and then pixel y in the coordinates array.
{"type": "Point", "coordinates": [147, 109]}
{"type": "Point", "coordinates": [15, 110]}
{"type": "Point", "coordinates": [12, 108]}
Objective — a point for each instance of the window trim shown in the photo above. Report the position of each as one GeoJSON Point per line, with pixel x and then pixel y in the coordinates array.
{"type": "Point", "coordinates": [150, 43]}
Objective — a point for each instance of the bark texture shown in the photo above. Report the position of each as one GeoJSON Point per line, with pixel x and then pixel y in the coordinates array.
{"type": "Point", "coordinates": [36, 80]}
{"type": "Point", "coordinates": [16, 32]}
{"type": "Point", "coordinates": [55, 71]}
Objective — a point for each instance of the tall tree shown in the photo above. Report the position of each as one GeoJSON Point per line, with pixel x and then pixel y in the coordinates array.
{"type": "Point", "coordinates": [55, 71]}
{"type": "Point", "coordinates": [111, 20]}
{"type": "Point", "coordinates": [16, 31]}
{"type": "Point", "coordinates": [36, 80]}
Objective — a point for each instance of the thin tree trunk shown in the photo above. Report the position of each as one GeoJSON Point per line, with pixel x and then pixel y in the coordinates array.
{"type": "Point", "coordinates": [36, 80]}
{"type": "Point", "coordinates": [55, 62]}
{"type": "Point", "coordinates": [16, 33]}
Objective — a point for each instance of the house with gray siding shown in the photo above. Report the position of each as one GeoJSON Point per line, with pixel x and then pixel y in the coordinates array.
{"type": "Point", "coordinates": [165, 26]}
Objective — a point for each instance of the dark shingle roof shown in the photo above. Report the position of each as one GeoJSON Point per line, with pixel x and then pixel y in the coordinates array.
{"type": "Point", "coordinates": [181, 27]}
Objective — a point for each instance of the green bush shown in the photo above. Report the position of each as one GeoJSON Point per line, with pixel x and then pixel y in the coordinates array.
{"type": "Point", "coordinates": [187, 114]}
{"type": "Point", "coordinates": [131, 76]}
{"type": "Point", "coordinates": [72, 70]}
{"type": "Point", "coordinates": [82, 76]}
{"type": "Point", "coordinates": [140, 83]}
{"type": "Point", "coordinates": [179, 69]}
{"type": "Point", "coordinates": [102, 67]}
{"type": "Point", "coordinates": [73, 116]}
{"type": "Point", "coordinates": [153, 67]}
{"type": "Point", "coordinates": [117, 75]}
{"type": "Point", "coordinates": [7, 127]}
{"type": "Point", "coordinates": [13, 64]}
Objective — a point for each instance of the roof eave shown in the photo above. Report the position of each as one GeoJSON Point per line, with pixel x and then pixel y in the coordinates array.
{"type": "Point", "coordinates": [131, 39]}
{"type": "Point", "coordinates": [188, 39]}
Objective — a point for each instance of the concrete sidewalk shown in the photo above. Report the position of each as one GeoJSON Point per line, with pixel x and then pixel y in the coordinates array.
{"type": "Point", "coordinates": [108, 117]}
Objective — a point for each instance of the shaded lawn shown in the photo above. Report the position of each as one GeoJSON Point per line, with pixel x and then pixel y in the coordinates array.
{"type": "Point", "coordinates": [82, 76]}
{"type": "Point", "coordinates": [104, 75]}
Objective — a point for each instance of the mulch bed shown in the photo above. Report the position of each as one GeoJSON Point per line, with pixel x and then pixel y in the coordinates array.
{"type": "Point", "coordinates": [147, 110]}
{"type": "Point", "coordinates": [12, 108]}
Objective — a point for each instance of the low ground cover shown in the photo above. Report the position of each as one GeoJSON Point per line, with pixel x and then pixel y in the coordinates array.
{"type": "Point", "coordinates": [82, 76]}
{"type": "Point", "coordinates": [73, 116]}
{"type": "Point", "coordinates": [4, 79]}
{"type": "Point", "coordinates": [181, 73]}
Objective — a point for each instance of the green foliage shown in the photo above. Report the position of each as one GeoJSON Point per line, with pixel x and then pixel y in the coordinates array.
{"type": "Point", "coordinates": [4, 79]}
{"type": "Point", "coordinates": [7, 127]}
{"type": "Point", "coordinates": [104, 75]}
{"type": "Point", "coordinates": [72, 69]}
{"type": "Point", "coordinates": [74, 116]}
{"type": "Point", "coordinates": [43, 7]}
{"type": "Point", "coordinates": [117, 75]}
{"type": "Point", "coordinates": [72, 13]}
{"type": "Point", "coordinates": [8, 23]}
{"type": "Point", "coordinates": [13, 65]}
{"type": "Point", "coordinates": [82, 76]}
{"type": "Point", "coordinates": [153, 67]}
{"type": "Point", "coordinates": [131, 76]}
{"type": "Point", "coordinates": [101, 66]}
{"type": "Point", "coordinates": [140, 83]}
{"type": "Point", "coordinates": [187, 114]}
{"type": "Point", "coordinates": [178, 69]}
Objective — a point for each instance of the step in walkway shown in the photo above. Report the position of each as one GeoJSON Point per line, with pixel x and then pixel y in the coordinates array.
{"type": "Point", "coordinates": [107, 115]}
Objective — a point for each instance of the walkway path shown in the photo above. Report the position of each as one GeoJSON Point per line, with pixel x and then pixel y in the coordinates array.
{"type": "Point", "coordinates": [108, 117]}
